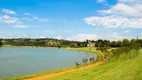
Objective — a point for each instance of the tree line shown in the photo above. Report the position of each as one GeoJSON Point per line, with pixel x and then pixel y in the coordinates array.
{"type": "Point", "coordinates": [50, 42]}
{"type": "Point", "coordinates": [119, 43]}
{"type": "Point", "coordinates": [0, 43]}
{"type": "Point", "coordinates": [124, 49]}
{"type": "Point", "coordinates": [115, 50]}
{"type": "Point", "coordinates": [46, 42]}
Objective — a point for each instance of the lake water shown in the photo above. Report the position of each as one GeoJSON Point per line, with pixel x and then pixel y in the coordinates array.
{"type": "Point", "coordinates": [19, 61]}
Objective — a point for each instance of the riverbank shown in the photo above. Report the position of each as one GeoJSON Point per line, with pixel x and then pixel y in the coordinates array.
{"type": "Point", "coordinates": [67, 71]}
{"type": "Point", "coordinates": [129, 69]}
{"type": "Point", "coordinates": [27, 46]}
{"type": "Point", "coordinates": [90, 50]}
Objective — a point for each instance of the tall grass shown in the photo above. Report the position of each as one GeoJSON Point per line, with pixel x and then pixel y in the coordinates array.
{"type": "Point", "coordinates": [123, 53]}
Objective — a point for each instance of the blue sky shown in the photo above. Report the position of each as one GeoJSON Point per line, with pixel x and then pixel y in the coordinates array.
{"type": "Point", "coordinates": [71, 19]}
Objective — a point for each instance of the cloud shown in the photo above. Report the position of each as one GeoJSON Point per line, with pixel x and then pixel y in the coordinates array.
{"type": "Point", "coordinates": [20, 26]}
{"type": "Point", "coordinates": [35, 18]}
{"type": "Point", "coordinates": [122, 15]}
{"type": "Point", "coordinates": [7, 11]}
{"type": "Point", "coordinates": [17, 22]}
{"type": "Point", "coordinates": [127, 31]}
{"type": "Point", "coordinates": [59, 37]}
{"type": "Point", "coordinates": [122, 9]}
{"type": "Point", "coordinates": [7, 19]}
{"type": "Point", "coordinates": [42, 37]}
{"type": "Point", "coordinates": [12, 21]}
{"type": "Point", "coordinates": [26, 18]}
{"type": "Point", "coordinates": [101, 1]}
{"type": "Point", "coordinates": [27, 14]}
{"type": "Point", "coordinates": [83, 37]}
{"type": "Point", "coordinates": [114, 22]}
{"type": "Point", "coordinates": [10, 36]}
{"type": "Point", "coordinates": [41, 19]}
{"type": "Point", "coordinates": [131, 2]}
{"type": "Point", "coordinates": [32, 17]}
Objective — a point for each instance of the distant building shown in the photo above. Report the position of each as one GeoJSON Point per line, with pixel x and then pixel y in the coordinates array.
{"type": "Point", "coordinates": [137, 37]}
{"type": "Point", "coordinates": [90, 44]}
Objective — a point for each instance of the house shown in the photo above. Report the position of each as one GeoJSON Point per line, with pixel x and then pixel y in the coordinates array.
{"type": "Point", "coordinates": [90, 44]}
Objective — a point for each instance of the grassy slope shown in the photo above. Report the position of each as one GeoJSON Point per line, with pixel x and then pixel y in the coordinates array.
{"type": "Point", "coordinates": [130, 69]}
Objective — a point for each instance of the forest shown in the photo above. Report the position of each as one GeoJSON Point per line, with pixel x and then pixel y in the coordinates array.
{"type": "Point", "coordinates": [50, 42]}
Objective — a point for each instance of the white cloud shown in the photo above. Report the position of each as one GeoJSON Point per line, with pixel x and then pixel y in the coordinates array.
{"type": "Point", "coordinates": [31, 17]}
{"type": "Point", "coordinates": [59, 37]}
{"type": "Point", "coordinates": [7, 19]}
{"type": "Point", "coordinates": [12, 21]}
{"type": "Point", "coordinates": [122, 9]}
{"type": "Point", "coordinates": [10, 36]}
{"type": "Point", "coordinates": [25, 36]}
{"type": "Point", "coordinates": [27, 14]}
{"type": "Point", "coordinates": [101, 1]}
{"type": "Point", "coordinates": [114, 22]}
{"type": "Point", "coordinates": [122, 15]}
{"type": "Point", "coordinates": [42, 37]}
{"type": "Point", "coordinates": [131, 1]}
{"type": "Point", "coordinates": [41, 19]}
{"type": "Point", "coordinates": [20, 26]}
{"type": "Point", "coordinates": [25, 18]}
{"type": "Point", "coordinates": [83, 37]}
{"type": "Point", "coordinates": [36, 18]}
{"type": "Point", "coordinates": [7, 11]}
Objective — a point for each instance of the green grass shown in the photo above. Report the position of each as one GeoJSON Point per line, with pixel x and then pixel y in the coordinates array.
{"type": "Point", "coordinates": [87, 49]}
{"type": "Point", "coordinates": [130, 69]}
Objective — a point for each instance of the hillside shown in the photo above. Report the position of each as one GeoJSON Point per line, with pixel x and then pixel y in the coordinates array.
{"type": "Point", "coordinates": [130, 69]}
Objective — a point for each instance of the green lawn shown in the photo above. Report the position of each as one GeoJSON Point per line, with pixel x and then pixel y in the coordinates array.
{"type": "Point", "coordinates": [130, 69]}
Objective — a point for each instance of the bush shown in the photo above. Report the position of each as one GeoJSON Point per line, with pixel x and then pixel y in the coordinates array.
{"type": "Point", "coordinates": [0, 43]}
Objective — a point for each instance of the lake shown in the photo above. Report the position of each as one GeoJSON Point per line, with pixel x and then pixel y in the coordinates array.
{"type": "Point", "coordinates": [19, 61]}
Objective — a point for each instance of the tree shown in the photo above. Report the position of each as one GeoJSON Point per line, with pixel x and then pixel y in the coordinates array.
{"type": "Point", "coordinates": [74, 45]}
{"type": "Point", "coordinates": [92, 59]}
{"type": "Point", "coordinates": [106, 42]}
{"type": "Point", "coordinates": [100, 43]}
{"type": "Point", "coordinates": [84, 60]}
{"type": "Point", "coordinates": [113, 44]}
{"type": "Point", "coordinates": [77, 65]}
{"type": "Point", "coordinates": [119, 43]}
{"type": "Point", "coordinates": [140, 42]}
{"type": "Point", "coordinates": [0, 43]}
{"type": "Point", "coordinates": [126, 42]}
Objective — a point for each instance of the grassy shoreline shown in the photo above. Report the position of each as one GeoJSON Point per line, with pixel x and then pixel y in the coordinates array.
{"type": "Point", "coordinates": [38, 74]}
{"type": "Point", "coordinates": [129, 69]}
{"type": "Point", "coordinates": [88, 49]}
{"type": "Point", "coordinates": [28, 46]}
{"type": "Point", "coordinates": [84, 49]}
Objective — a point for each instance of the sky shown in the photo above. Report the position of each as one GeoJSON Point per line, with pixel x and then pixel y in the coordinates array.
{"type": "Point", "coordinates": [76, 20]}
